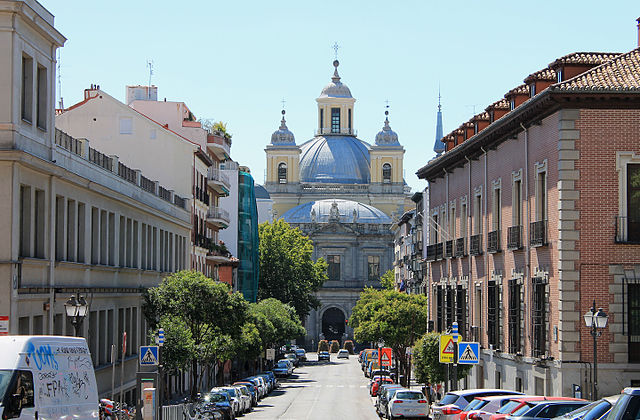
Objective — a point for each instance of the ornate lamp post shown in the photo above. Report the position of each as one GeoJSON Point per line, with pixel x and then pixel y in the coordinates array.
{"type": "Point", "coordinates": [596, 322]}
{"type": "Point", "coordinates": [76, 308]}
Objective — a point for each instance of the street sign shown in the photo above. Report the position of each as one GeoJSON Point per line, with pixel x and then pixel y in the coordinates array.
{"type": "Point", "coordinates": [385, 356]}
{"type": "Point", "coordinates": [468, 353]}
{"type": "Point", "coordinates": [148, 355]}
{"type": "Point", "coordinates": [4, 325]}
{"type": "Point", "coordinates": [447, 348]}
{"type": "Point", "coordinates": [271, 354]}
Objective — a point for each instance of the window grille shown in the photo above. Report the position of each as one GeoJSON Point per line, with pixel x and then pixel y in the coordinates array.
{"type": "Point", "coordinates": [540, 301]}
{"type": "Point", "coordinates": [634, 322]}
{"type": "Point", "coordinates": [515, 315]}
{"type": "Point", "coordinates": [450, 305]}
{"type": "Point", "coordinates": [439, 308]}
{"type": "Point", "coordinates": [461, 308]}
{"type": "Point", "coordinates": [493, 312]}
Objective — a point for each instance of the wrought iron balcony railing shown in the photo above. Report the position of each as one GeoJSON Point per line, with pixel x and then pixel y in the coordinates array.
{"type": "Point", "coordinates": [493, 242]}
{"type": "Point", "coordinates": [448, 249]}
{"type": "Point", "coordinates": [514, 238]}
{"type": "Point", "coordinates": [439, 251]}
{"type": "Point", "coordinates": [461, 249]}
{"type": "Point", "coordinates": [538, 233]}
{"type": "Point", "coordinates": [475, 244]}
{"type": "Point", "coordinates": [431, 252]}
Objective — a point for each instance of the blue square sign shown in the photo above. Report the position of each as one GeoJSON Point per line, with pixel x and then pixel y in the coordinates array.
{"type": "Point", "coordinates": [148, 355]}
{"type": "Point", "coordinates": [468, 353]}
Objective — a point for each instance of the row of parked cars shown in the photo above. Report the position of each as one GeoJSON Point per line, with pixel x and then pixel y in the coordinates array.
{"type": "Point", "coordinates": [500, 404]}
{"type": "Point", "coordinates": [240, 397]}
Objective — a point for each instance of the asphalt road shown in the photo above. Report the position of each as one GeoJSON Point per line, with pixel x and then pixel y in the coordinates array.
{"type": "Point", "coordinates": [333, 390]}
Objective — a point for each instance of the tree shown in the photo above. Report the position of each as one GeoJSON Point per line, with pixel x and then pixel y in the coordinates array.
{"type": "Point", "coordinates": [200, 317]}
{"type": "Point", "coordinates": [426, 357]}
{"type": "Point", "coordinates": [388, 281]}
{"type": "Point", "coordinates": [397, 318]}
{"type": "Point", "coordinates": [276, 322]}
{"type": "Point", "coordinates": [287, 270]}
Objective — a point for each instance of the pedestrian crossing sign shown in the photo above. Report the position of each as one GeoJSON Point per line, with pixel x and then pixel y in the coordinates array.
{"type": "Point", "coordinates": [468, 353]}
{"type": "Point", "coordinates": [148, 355]}
{"type": "Point", "coordinates": [447, 348]}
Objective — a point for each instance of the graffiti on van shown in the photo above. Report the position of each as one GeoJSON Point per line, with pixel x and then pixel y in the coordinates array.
{"type": "Point", "coordinates": [79, 363]}
{"type": "Point", "coordinates": [42, 356]}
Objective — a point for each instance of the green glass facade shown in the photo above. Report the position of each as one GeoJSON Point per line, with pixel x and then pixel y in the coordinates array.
{"type": "Point", "coordinates": [249, 265]}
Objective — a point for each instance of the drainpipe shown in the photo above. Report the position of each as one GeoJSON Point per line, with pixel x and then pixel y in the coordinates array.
{"type": "Point", "coordinates": [527, 254]}
{"type": "Point", "coordinates": [465, 235]}
{"type": "Point", "coordinates": [52, 250]}
{"type": "Point", "coordinates": [446, 184]}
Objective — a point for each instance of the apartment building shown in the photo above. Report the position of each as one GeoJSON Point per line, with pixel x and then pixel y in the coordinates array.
{"type": "Point", "coordinates": [533, 218]}
{"type": "Point", "coordinates": [75, 220]}
{"type": "Point", "coordinates": [181, 163]}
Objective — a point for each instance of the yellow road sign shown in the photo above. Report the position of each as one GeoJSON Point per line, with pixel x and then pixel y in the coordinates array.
{"type": "Point", "coordinates": [447, 348]}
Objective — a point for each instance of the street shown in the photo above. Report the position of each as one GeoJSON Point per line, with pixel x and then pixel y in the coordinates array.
{"type": "Point", "coordinates": [326, 390]}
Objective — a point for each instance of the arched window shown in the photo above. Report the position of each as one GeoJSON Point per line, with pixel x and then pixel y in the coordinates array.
{"type": "Point", "coordinates": [282, 173]}
{"type": "Point", "coordinates": [386, 173]}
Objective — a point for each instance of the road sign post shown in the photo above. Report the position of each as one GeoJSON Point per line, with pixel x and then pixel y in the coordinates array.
{"type": "Point", "coordinates": [454, 334]}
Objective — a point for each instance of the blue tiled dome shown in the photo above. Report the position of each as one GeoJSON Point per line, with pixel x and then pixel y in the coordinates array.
{"type": "Point", "coordinates": [335, 159]}
{"type": "Point", "coordinates": [364, 212]}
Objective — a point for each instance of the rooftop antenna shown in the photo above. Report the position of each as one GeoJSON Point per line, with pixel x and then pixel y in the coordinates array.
{"type": "Point", "coordinates": [150, 65]}
{"type": "Point", "coordinates": [473, 108]}
{"type": "Point", "coordinates": [60, 102]}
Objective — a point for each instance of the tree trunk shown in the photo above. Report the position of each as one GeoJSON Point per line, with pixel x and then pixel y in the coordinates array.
{"type": "Point", "coordinates": [194, 378]}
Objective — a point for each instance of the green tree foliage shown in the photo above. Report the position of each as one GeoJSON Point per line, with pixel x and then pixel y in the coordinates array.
{"type": "Point", "coordinates": [275, 321]}
{"type": "Point", "coordinates": [287, 270]}
{"type": "Point", "coordinates": [388, 281]}
{"type": "Point", "coordinates": [426, 361]}
{"type": "Point", "coordinates": [397, 318]}
{"type": "Point", "coordinates": [201, 319]}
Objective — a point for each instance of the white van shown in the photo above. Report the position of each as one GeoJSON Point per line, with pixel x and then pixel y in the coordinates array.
{"type": "Point", "coordinates": [46, 377]}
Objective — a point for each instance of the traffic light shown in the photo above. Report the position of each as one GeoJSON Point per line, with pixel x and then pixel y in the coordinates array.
{"type": "Point", "coordinates": [346, 322]}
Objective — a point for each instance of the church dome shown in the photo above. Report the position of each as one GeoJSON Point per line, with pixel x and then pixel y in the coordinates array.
{"type": "Point", "coordinates": [283, 136]}
{"type": "Point", "coordinates": [335, 88]}
{"type": "Point", "coordinates": [387, 137]}
{"type": "Point", "coordinates": [335, 159]}
{"type": "Point", "coordinates": [324, 211]}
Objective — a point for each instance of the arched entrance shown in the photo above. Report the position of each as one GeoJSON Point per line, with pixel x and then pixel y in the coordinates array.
{"type": "Point", "coordinates": [333, 324]}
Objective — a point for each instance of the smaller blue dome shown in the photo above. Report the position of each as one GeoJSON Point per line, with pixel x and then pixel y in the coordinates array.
{"type": "Point", "coordinates": [261, 192]}
{"type": "Point", "coordinates": [324, 211]}
{"type": "Point", "coordinates": [283, 136]}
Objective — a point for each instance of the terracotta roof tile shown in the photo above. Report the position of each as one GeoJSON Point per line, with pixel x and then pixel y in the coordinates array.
{"type": "Point", "coordinates": [544, 74]}
{"type": "Point", "coordinates": [482, 117]}
{"type": "Point", "coordinates": [499, 104]}
{"type": "Point", "coordinates": [620, 73]}
{"type": "Point", "coordinates": [591, 58]}
{"type": "Point", "coordinates": [520, 90]}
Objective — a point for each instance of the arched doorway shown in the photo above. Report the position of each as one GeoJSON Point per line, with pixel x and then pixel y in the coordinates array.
{"type": "Point", "coordinates": [333, 324]}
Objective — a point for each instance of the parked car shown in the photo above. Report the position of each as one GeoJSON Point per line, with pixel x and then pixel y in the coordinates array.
{"type": "Point", "coordinates": [262, 389]}
{"type": "Point", "coordinates": [234, 399]}
{"type": "Point", "coordinates": [481, 408]}
{"type": "Point", "coordinates": [547, 409]}
{"type": "Point", "coordinates": [594, 411]}
{"type": "Point", "coordinates": [343, 354]}
{"type": "Point", "coordinates": [453, 402]}
{"type": "Point", "coordinates": [245, 395]}
{"type": "Point", "coordinates": [408, 403]}
{"type": "Point", "coordinates": [222, 401]}
{"type": "Point", "coordinates": [283, 368]}
{"type": "Point", "coordinates": [627, 406]}
{"type": "Point", "coordinates": [324, 355]}
{"type": "Point", "coordinates": [517, 402]}
{"type": "Point", "coordinates": [292, 358]}
{"type": "Point", "coordinates": [252, 389]}
{"type": "Point", "coordinates": [382, 404]}
{"type": "Point", "coordinates": [302, 355]}
{"type": "Point", "coordinates": [376, 382]}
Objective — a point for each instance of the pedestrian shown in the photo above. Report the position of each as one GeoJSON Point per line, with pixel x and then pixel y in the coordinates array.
{"type": "Point", "coordinates": [427, 391]}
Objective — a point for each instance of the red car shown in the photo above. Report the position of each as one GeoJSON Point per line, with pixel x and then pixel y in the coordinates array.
{"type": "Point", "coordinates": [375, 384]}
{"type": "Point", "coordinates": [516, 403]}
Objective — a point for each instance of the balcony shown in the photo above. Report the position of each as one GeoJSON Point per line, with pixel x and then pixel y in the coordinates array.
{"type": "Point", "coordinates": [448, 249]}
{"type": "Point", "coordinates": [439, 251]}
{"type": "Point", "coordinates": [627, 230]}
{"type": "Point", "coordinates": [538, 233]}
{"type": "Point", "coordinates": [461, 249]}
{"type": "Point", "coordinates": [514, 238]}
{"type": "Point", "coordinates": [431, 252]}
{"type": "Point", "coordinates": [219, 145]}
{"type": "Point", "coordinates": [201, 195]}
{"type": "Point", "coordinates": [218, 216]}
{"type": "Point", "coordinates": [493, 242]}
{"type": "Point", "coordinates": [475, 244]}
{"type": "Point", "coordinates": [218, 181]}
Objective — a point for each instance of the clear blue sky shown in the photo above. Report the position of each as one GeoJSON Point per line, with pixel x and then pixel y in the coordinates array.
{"type": "Point", "coordinates": [235, 60]}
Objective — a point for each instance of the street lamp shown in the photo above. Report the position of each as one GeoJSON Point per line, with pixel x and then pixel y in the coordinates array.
{"type": "Point", "coordinates": [76, 308]}
{"type": "Point", "coordinates": [596, 321]}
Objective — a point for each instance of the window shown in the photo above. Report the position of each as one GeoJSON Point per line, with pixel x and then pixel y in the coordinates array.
{"type": "Point", "coordinates": [477, 215]}
{"type": "Point", "coordinates": [23, 385]}
{"type": "Point", "coordinates": [539, 316]}
{"type": "Point", "coordinates": [349, 122]}
{"type": "Point", "coordinates": [515, 305]}
{"type": "Point", "coordinates": [434, 229]}
{"type": "Point", "coordinates": [373, 267]}
{"type": "Point", "coordinates": [541, 196]}
{"type": "Point", "coordinates": [126, 125]}
{"type": "Point", "coordinates": [27, 89]}
{"type": "Point", "coordinates": [633, 311]}
{"type": "Point", "coordinates": [386, 173]}
{"type": "Point", "coordinates": [282, 173]}
{"type": "Point", "coordinates": [532, 90]}
{"type": "Point", "coordinates": [439, 308]}
{"type": "Point", "coordinates": [41, 98]}
{"type": "Point", "coordinates": [450, 305]}
{"type": "Point", "coordinates": [452, 223]}
{"type": "Point", "coordinates": [461, 308]}
{"type": "Point", "coordinates": [333, 270]}
{"type": "Point", "coordinates": [512, 104]}
{"type": "Point", "coordinates": [321, 120]}
{"type": "Point", "coordinates": [335, 120]}
{"type": "Point", "coordinates": [497, 209]}
{"type": "Point", "coordinates": [517, 203]}
{"type": "Point", "coordinates": [463, 220]}
{"type": "Point", "coordinates": [39, 225]}
{"type": "Point", "coordinates": [25, 221]}
{"type": "Point", "coordinates": [493, 313]}
{"type": "Point", "coordinates": [633, 202]}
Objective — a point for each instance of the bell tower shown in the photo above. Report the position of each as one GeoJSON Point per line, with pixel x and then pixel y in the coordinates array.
{"type": "Point", "coordinates": [335, 108]}
{"type": "Point", "coordinates": [283, 157]}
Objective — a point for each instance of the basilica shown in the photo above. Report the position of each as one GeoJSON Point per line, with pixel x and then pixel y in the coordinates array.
{"type": "Point", "coordinates": [344, 193]}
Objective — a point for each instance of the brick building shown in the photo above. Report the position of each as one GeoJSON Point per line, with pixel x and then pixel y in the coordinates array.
{"type": "Point", "coordinates": [533, 216]}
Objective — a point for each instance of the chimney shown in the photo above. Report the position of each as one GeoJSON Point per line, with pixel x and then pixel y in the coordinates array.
{"type": "Point", "coordinates": [638, 20]}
